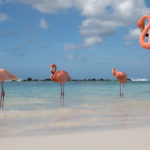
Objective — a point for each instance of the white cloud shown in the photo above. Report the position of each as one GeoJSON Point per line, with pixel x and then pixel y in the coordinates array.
{"type": "Point", "coordinates": [102, 17]}
{"type": "Point", "coordinates": [128, 43]}
{"type": "Point", "coordinates": [71, 46]}
{"type": "Point", "coordinates": [3, 17]}
{"type": "Point", "coordinates": [51, 6]}
{"type": "Point", "coordinates": [88, 42]}
{"type": "Point", "coordinates": [47, 6]}
{"type": "Point", "coordinates": [43, 24]}
{"type": "Point", "coordinates": [70, 57]}
{"type": "Point", "coordinates": [133, 34]}
{"type": "Point", "coordinates": [98, 27]}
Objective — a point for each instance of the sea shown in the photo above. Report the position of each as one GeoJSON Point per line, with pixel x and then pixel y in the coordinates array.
{"type": "Point", "coordinates": [36, 107]}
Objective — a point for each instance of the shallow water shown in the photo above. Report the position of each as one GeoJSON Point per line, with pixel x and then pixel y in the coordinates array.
{"type": "Point", "coordinates": [35, 108]}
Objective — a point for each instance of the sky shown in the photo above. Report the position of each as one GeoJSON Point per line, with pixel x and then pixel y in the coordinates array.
{"type": "Point", "coordinates": [87, 38]}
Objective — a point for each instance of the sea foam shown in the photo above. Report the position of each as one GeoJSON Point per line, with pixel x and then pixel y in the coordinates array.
{"type": "Point", "coordinates": [140, 79]}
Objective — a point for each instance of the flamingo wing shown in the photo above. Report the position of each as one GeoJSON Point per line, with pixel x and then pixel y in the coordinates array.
{"type": "Point", "coordinates": [62, 76]}
{"type": "Point", "coordinates": [5, 75]}
{"type": "Point", "coordinates": [122, 77]}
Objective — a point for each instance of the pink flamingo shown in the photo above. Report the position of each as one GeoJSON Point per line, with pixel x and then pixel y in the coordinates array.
{"type": "Point", "coordinates": [122, 78]}
{"type": "Point", "coordinates": [59, 76]}
{"type": "Point", "coordinates": [144, 31]}
{"type": "Point", "coordinates": [5, 75]}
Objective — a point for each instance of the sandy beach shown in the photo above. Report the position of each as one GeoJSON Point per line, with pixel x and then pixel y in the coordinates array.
{"type": "Point", "coordinates": [74, 75]}
{"type": "Point", "coordinates": [121, 139]}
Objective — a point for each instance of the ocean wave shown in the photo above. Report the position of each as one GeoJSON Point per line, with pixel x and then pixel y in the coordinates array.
{"type": "Point", "coordinates": [19, 80]}
{"type": "Point", "coordinates": [139, 79]}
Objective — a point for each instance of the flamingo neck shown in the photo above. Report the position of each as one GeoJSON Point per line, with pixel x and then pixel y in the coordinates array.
{"type": "Point", "coordinates": [116, 73]}
{"type": "Point", "coordinates": [52, 76]}
{"type": "Point", "coordinates": [145, 30]}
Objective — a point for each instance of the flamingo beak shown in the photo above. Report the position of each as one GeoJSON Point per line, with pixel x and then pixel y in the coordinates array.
{"type": "Point", "coordinates": [52, 71]}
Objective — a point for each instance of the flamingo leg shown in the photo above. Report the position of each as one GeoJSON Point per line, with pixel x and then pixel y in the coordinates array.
{"type": "Point", "coordinates": [123, 90]}
{"type": "Point", "coordinates": [120, 89]}
{"type": "Point", "coordinates": [1, 102]}
{"type": "Point", "coordinates": [63, 89]}
{"type": "Point", "coordinates": [2, 96]}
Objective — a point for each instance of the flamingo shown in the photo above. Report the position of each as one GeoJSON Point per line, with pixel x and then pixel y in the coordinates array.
{"type": "Point", "coordinates": [5, 75]}
{"type": "Point", "coordinates": [59, 76]}
{"type": "Point", "coordinates": [144, 31]}
{"type": "Point", "coordinates": [122, 78]}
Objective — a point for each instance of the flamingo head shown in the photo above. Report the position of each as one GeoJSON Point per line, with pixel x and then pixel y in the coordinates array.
{"type": "Point", "coordinates": [141, 26]}
{"type": "Point", "coordinates": [141, 22]}
{"type": "Point", "coordinates": [52, 68]}
{"type": "Point", "coordinates": [113, 71]}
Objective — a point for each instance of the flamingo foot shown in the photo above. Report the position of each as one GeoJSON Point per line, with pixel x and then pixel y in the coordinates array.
{"type": "Point", "coordinates": [62, 94]}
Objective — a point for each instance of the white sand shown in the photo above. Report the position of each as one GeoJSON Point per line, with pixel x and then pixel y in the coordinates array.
{"type": "Point", "coordinates": [125, 139]}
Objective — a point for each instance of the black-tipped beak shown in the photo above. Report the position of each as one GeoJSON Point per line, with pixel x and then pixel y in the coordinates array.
{"type": "Point", "coordinates": [147, 35]}
{"type": "Point", "coordinates": [52, 72]}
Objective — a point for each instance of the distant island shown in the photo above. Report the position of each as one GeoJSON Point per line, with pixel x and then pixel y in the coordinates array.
{"type": "Point", "coordinates": [93, 79]}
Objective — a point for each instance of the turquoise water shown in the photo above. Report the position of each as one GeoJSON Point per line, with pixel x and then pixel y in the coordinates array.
{"type": "Point", "coordinates": [35, 108]}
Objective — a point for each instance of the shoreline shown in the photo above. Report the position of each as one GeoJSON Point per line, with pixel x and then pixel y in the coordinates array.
{"type": "Point", "coordinates": [74, 80]}
{"type": "Point", "coordinates": [120, 139]}
{"type": "Point", "coordinates": [89, 79]}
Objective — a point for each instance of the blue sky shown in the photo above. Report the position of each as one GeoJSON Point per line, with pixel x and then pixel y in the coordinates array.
{"type": "Point", "coordinates": [84, 37]}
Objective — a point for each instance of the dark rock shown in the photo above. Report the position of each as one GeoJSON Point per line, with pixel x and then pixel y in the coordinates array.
{"type": "Point", "coordinates": [29, 79]}
{"type": "Point", "coordinates": [35, 80]}
{"type": "Point", "coordinates": [92, 79]}
{"type": "Point", "coordinates": [101, 79]}
{"type": "Point", "coordinates": [129, 80]}
{"type": "Point", "coordinates": [47, 80]}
